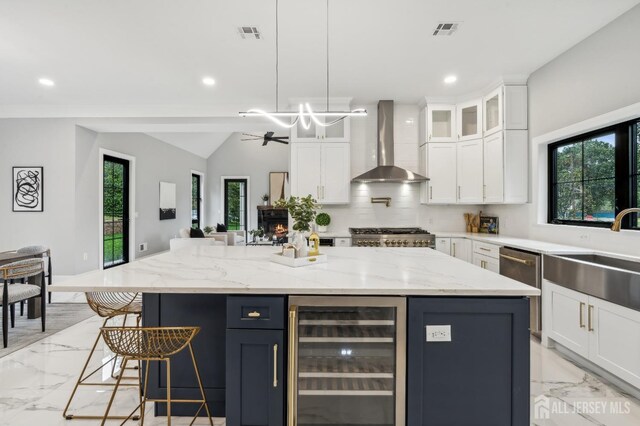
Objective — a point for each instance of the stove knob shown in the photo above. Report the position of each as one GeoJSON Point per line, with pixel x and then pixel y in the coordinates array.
{"type": "Point", "coordinates": [415, 243]}
{"type": "Point", "coordinates": [377, 243]}
{"type": "Point", "coordinates": [387, 242]}
{"type": "Point", "coordinates": [359, 243]}
{"type": "Point", "coordinates": [405, 243]}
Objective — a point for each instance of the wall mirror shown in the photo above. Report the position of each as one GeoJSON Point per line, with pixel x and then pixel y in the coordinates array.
{"type": "Point", "coordinates": [278, 186]}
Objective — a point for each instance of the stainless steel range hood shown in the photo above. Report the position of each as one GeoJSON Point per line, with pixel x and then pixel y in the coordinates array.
{"type": "Point", "coordinates": [386, 171]}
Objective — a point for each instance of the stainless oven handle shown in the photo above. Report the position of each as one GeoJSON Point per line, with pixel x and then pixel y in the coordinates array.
{"type": "Point", "coordinates": [517, 259]}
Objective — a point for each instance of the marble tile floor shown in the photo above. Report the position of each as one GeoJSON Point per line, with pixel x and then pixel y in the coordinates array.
{"type": "Point", "coordinates": [36, 382]}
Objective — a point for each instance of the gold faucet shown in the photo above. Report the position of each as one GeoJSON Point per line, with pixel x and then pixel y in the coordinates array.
{"type": "Point", "coordinates": [617, 223]}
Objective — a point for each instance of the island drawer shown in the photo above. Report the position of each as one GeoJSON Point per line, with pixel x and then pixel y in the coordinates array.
{"type": "Point", "coordinates": [256, 312]}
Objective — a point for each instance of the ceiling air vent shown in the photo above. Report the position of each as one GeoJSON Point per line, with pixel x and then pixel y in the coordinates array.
{"type": "Point", "coordinates": [445, 28]}
{"type": "Point", "coordinates": [250, 33]}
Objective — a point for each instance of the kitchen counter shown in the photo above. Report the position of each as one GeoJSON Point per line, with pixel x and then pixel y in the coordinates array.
{"type": "Point", "coordinates": [349, 271]}
{"type": "Point", "coordinates": [518, 243]}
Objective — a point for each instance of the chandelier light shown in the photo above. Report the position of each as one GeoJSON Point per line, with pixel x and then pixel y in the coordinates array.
{"type": "Point", "coordinates": [305, 114]}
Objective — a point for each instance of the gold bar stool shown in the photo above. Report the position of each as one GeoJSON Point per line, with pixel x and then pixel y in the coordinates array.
{"type": "Point", "coordinates": [153, 344]}
{"type": "Point", "coordinates": [108, 305]}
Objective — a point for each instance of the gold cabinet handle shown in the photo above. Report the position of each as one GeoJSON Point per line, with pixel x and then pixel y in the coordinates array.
{"type": "Point", "coordinates": [515, 259]}
{"type": "Point", "coordinates": [590, 317]}
{"type": "Point", "coordinates": [430, 192]}
{"type": "Point", "coordinates": [484, 249]}
{"type": "Point", "coordinates": [582, 304]}
{"type": "Point", "coordinates": [293, 380]}
{"type": "Point", "coordinates": [254, 314]}
{"type": "Point", "coordinates": [275, 365]}
{"type": "Point", "coordinates": [454, 250]}
{"type": "Point", "coordinates": [458, 191]}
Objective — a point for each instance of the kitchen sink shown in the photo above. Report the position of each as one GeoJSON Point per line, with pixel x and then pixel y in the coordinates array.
{"type": "Point", "coordinates": [609, 278]}
{"type": "Point", "coordinates": [608, 261]}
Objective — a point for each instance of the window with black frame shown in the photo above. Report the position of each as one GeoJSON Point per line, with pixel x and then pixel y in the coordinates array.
{"type": "Point", "coordinates": [594, 176]}
{"type": "Point", "coordinates": [196, 199]}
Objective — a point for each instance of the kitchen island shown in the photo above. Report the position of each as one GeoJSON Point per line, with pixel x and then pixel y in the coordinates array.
{"type": "Point", "coordinates": [460, 334]}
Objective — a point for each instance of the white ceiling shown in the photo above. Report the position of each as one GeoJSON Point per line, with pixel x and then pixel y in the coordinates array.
{"type": "Point", "coordinates": [147, 57]}
{"type": "Point", "coordinates": [201, 144]}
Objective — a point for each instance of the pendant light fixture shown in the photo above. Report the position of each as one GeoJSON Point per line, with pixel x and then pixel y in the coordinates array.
{"type": "Point", "coordinates": [305, 114]}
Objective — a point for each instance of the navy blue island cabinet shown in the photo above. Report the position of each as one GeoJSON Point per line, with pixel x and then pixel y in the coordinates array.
{"type": "Point", "coordinates": [255, 361]}
{"type": "Point", "coordinates": [209, 312]}
{"type": "Point", "coordinates": [468, 361]}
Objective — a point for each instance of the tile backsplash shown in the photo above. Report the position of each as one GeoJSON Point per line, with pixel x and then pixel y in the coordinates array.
{"type": "Point", "coordinates": [405, 209]}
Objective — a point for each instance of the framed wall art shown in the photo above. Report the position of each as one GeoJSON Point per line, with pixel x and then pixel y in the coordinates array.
{"type": "Point", "coordinates": [28, 189]}
{"type": "Point", "coordinates": [167, 200]}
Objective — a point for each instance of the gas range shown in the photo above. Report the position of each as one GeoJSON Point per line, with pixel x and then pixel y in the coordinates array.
{"type": "Point", "coordinates": [391, 237]}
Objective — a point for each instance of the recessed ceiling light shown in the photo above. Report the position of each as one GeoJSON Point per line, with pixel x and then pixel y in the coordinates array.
{"type": "Point", "coordinates": [450, 79]}
{"type": "Point", "coordinates": [46, 82]}
{"type": "Point", "coordinates": [208, 81]}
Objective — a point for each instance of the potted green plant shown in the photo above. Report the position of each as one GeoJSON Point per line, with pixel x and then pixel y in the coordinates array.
{"type": "Point", "coordinates": [265, 199]}
{"type": "Point", "coordinates": [303, 212]}
{"type": "Point", "coordinates": [208, 229]}
{"type": "Point", "coordinates": [323, 220]}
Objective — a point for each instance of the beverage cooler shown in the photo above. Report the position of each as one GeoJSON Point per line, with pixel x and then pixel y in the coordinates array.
{"type": "Point", "coordinates": [346, 361]}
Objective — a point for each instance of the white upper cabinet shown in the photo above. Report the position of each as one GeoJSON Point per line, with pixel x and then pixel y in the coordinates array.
{"type": "Point", "coordinates": [469, 120]}
{"type": "Point", "coordinates": [335, 173]}
{"type": "Point", "coordinates": [493, 168]}
{"type": "Point", "coordinates": [322, 170]}
{"type": "Point", "coordinates": [440, 162]}
{"type": "Point", "coordinates": [470, 172]}
{"type": "Point", "coordinates": [338, 132]}
{"type": "Point", "coordinates": [441, 123]}
{"type": "Point", "coordinates": [493, 111]}
{"type": "Point", "coordinates": [515, 108]}
{"type": "Point", "coordinates": [505, 109]}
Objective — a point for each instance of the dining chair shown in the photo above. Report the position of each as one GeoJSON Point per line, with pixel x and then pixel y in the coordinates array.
{"type": "Point", "coordinates": [15, 289]}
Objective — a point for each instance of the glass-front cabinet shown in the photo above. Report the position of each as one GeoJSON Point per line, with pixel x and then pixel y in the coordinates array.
{"type": "Point", "coordinates": [346, 361]}
{"type": "Point", "coordinates": [469, 117]}
{"type": "Point", "coordinates": [493, 111]}
{"type": "Point", "coordinates": [441, 123]}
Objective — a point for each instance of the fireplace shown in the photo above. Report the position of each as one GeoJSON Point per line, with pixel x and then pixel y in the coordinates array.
{"type": "Point", "coordinates": [274, 221]}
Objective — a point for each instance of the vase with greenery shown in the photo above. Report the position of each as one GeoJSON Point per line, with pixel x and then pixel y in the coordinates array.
{"type": "Point", "coordinates": [265, 199]}
{"type": "Point", "coordinates": [323, 220]}
{"type": "Point", "coordinates": [208, 229]}
{"type": "Point", "coordinates": [257, 233]}
{"type": "Point", "coordinates": [303, 212]}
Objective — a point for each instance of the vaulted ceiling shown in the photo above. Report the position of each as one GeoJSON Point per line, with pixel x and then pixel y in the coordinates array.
{"type": "Point", "coordinates": [148, 57]}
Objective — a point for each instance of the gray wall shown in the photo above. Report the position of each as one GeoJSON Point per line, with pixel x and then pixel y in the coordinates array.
{"type": "Point", "coordinates": [69, 224]}
{"type": "Point", "coordinates": [596, 76]}
{"type": "Point", "coordinates": [49, 143]}
{"type": "Point", "coordinates": [155, 161]}
{"type": "Point", "coordinates": [243, 158]}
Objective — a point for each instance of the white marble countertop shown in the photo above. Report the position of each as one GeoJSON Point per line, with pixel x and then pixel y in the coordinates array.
{"type": "Point", "coordinates": [518, 243]}
{"type": "Point", "coordinates": [349, 271]}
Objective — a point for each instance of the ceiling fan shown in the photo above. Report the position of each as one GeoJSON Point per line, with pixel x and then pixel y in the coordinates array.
{"type": "Point", "coordinates": [268, 137]}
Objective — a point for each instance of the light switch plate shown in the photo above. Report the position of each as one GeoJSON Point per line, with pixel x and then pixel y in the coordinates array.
{"type": "Point", "coordinates": [438, 333]}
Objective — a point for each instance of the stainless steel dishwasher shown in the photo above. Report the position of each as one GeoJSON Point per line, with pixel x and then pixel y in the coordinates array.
{"type": "Point", "coordinates": [525, 267]}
